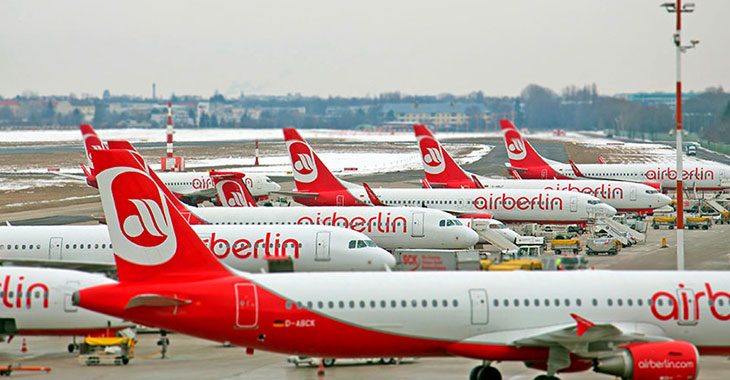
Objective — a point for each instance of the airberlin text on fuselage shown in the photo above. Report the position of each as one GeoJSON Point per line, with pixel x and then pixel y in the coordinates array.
{"type": "Point", "coordinates": [604, 191]}
{"type": "Point", "coordinates": [266, 247]}
{"type": "Point", "coordinates": [30, 293]}
{"type": "Point", "coordinates": [202, 183]}
{"type": "Point", "coordinates": [669, 173]}
{"type": "Point", "coordinates": [540, 202]}
{"type": "Point", "coordinates": [685, 305]}
{"type": "Point", "coordinates": [358, 223]}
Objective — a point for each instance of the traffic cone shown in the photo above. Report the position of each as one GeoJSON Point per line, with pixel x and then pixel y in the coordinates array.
{"type": "Point", "coordinates": [664, 242]}
{"type": "Point", "coordinates": [24, 348]}
{"type": "Point", "coordinates": [320, 369]}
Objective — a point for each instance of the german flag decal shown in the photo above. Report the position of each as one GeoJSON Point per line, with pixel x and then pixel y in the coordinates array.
{"type": "Point", "coordinates": [278, 323]}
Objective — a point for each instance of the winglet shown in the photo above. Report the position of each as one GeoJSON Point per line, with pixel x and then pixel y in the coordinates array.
{"type": "Point", "coordinates": [601, 160]}
{"type": "Point", "coordinates": [476, 182]}
{"type": "Point", "coordinates": [371, 194]}
{"type": "Point", "coordinates": [582, 324]}
{"type": "Point", "coordinates": [575, 169]}
{"type": "Point", "coordinates": [426, 184]}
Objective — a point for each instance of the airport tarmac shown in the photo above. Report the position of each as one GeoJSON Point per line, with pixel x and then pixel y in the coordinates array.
{"type": "Point", "coordinates": [192, 358]}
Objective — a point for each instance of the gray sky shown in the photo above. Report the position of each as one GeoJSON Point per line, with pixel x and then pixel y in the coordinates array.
{"type": "Point", "coordinates": [354, 48]}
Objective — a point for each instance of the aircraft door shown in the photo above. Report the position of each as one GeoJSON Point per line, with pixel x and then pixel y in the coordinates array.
{"type": "Point", "coordinates": [247, 306]}
{"type": "Point", "coordinates": [573, 203]}
{"type": "Point", "coordinates": [322, 252]}
{"type": "Point", "coordinates": [632, 194]}
{"type": "Point", "coordinates": [479, 306]}
{"type": "Point", "coordinates": [417, 224]}
{"type": "Point", "coordinates": [340, 200]}
{"type": "Point", "coordinates": [68, 305]}
{"type": "Point", "coordinates": [55, 246]}
{"type": "Point", "coordinates": [687, 310]}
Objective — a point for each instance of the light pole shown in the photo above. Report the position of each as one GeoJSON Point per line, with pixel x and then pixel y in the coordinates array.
{"type": "Point", "coordinates": [678, 8]}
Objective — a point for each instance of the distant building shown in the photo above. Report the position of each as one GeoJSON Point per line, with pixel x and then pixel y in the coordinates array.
{"type": "Point", "coordinates": [437, 114]}
{"type": "Point", "coordinates": [13, 105]}
{"type": "Point", "coordinates": [657, 98]}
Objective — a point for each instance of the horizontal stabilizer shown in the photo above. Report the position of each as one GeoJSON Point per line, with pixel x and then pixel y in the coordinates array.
{"type": "Point", "coordinates": [575, 169]}
{"type": "Point", "coordinates": [155, 300]}
{"type": "Point", "coordinates": [373, 197]}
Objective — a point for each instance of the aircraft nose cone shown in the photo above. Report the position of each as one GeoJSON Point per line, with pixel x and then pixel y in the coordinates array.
{"type": "Point", "coordinates": [608, 210]}
{"type": "Point", "coordinates": [664, 200]}
{"type": "Point", "coordinates": [470, 237]}
{"type": "Point", "coordinates": [276, 186]}
{"type": "Point", "coordinates": [383, 259]}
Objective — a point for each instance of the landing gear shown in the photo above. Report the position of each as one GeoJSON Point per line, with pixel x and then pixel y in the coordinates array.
{"type": "Point", "coordinates": [485, 372]}
{"type": "Point", "coordinates": [73, 347]}
{"type": "Point", "coordinates": [328, 362]}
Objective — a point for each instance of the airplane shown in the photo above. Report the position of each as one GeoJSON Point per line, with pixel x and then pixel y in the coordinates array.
{"type": "Point", "coordinates": [247, 248]}
{"type": "Point", "coordinates": [697, 175]}
{"type": "Point", "coordinates": [647, 325]}
{"type": "Point", "coordinates": [441, 170]}
{"type": "Point", "coordinates": [389, 227]}
{"type": "Point", "coordinates": [37, 301]}
{"type": "Point", "coordinates": [190, 186]}
{"type": "Point", "coordinates": [316, 186]}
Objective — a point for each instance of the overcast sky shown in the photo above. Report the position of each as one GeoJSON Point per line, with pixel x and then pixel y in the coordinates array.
{"type": "Point", "coordinates": [354, 48]}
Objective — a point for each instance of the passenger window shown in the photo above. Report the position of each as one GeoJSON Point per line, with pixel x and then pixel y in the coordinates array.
{"type": "Point", "coordinates": [578, 301]}
{"type": "Point", "coordinates": [341, 304]}
{"type": "Point", "coordinates": [414, 303]}
{"type": "Point", "coordinates": [456, 303]}
{"type": "Point", "coordinates": [526, 302]}
{"type": "Point", "coordinates": [609, 302]}
{"type": "Point", "coordinates": [496, 303]}
{"type": "Point", "coordinates": [320, 304]}
{"type": "Point", "coordinates": [638, 302]}
{"type": "Point", "coordinates": [547, 302]}
{"type": "Point", "coordinates": [372, 304]}
{"type": "Point", "coordinates": [595, 302]}
{"type": "Point", "coordinates": [557, 302]}
{"type": "Point", "coordinates": [362, 304]}
{"type": "Point", "coordinates": [352, 304]}
{"type": "Point", "coordinates": [567, 302]}
{"type": "Point", "coordinates": [424, 303]}
{"type": "Point", "coordinates": [331, 304]}
{"type": "Point", "coordinates": [537, 302]}
{"type": "Point", "coordinates": [403, 303]}
{"type": "Point", "coordinates": [506, 303]}
{"type": "Point", "coordinates": [288, 305]}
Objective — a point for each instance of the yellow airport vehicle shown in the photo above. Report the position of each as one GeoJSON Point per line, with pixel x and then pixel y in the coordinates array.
{"type": "Point", "coordinates": [569, 246]}
{"type": "Point", "coordinates": [698, 222]}
{"type": "Point", "coordinates": [664, 221]}
{"type": "Point", "coordinates": [94, 351]}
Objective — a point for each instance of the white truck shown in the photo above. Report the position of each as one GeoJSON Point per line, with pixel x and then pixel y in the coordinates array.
{"type": "Point", "coordinates": [436, 259]}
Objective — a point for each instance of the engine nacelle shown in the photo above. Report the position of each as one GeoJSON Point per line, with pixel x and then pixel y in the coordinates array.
{"type": "Point", "coordinates": [652, 361]}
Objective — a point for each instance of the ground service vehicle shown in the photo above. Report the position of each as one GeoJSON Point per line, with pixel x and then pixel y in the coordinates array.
{"type": "Point", "coordinates": [563, 246]}
{"type": "Point", "coordinates": [698, 222]}
{"type": "Point", "coordinates": [596, 246]}
{"type": "Point", "coordinates": [442, 259]}
{"type": "Point", "coordinates": [664, 221]}
{"type": "Point", "coordinates": [106, 350]}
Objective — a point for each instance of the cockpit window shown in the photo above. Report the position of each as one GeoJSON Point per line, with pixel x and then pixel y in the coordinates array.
{"type": "Point", "coordinates": [370, 243]}
{"type": "Point", "coordinates": [593, 201]}
{"type": "Point", "coordinates": [497, 226]}
{"type": "Point", "coordinates": [449, 223]}
{"type": "Point", "coordinates": [361, 244]}
{"type": "Point", "coordinates": [353, 244]}
{"type": "Point", "coordinates": [651, 191]}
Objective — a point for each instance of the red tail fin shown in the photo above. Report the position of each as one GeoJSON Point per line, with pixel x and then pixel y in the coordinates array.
{"type": "Point", "coordinates": [91, 141]}
{"type": "Point", "coordinates": [151, 239]}
{"type": "Point", "coordinates": [438, 164]}
{"type": "Point", "coordinates": [521, 154]}
{"type": "Point", "coordinates": [232, 190]}
{"type": "Point", "coordinates": [184, 211]}
{"type": "Point", "coordinates": [310, 174]}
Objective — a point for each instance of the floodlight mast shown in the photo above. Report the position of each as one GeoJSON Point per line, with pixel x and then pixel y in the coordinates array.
{"type": "Point", "coordinates": [678, 8]}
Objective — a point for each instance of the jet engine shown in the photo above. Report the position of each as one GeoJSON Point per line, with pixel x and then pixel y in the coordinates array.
{"type": "Point", "coordinates": [652, 361]}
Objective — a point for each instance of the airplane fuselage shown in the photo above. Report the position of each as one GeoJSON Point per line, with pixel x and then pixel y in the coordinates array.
{"type": "Point", "coordinates": [479, 314]}
{"type": "Point", "coordinates": [388, 227]}
{"type": "Point", "coordinates": [542, 206]}
{"type": "Point", "coordinates": [246, 248]}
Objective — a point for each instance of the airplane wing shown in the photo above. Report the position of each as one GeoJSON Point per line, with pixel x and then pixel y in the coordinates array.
{"type": "Point", "coordinates": [296, 194]}
{"type": "Point", "coordinates": [77, 177]}
{"type": "Point", "coordinates": [514, 168]}
{"type": "Point", "coordinates": [584, 338]}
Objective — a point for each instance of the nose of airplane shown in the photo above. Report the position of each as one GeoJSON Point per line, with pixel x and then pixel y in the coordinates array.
{"type": "Point", "coordinates": [605, 209]}
{"type": "Point", "coordinates": [275, 186]}
{"type": "Point", "coordinates": [468, 236]}
{"type": "Point", "coordinates": [382, 258]}
{"type": "Point", "coordinates": [663, 200]}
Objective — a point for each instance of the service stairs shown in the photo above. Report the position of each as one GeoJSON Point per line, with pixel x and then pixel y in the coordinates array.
{"type": "Point", "coordinates": [715, 206]}
{"type": "Point", "coordinates": [492, 237]}
{"type": "Point", "coordinates": [615, 227]}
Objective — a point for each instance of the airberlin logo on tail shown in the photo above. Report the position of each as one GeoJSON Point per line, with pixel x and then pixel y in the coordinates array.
{"type": "Point", "coordinates": [302, 158]}
{"type": "Point", "coordinates": [433, 157]}
{"type": "Point", "coordinates": [140, 227]}
{"type": "Point", "coordinates": [515, 145]}
{"type": "Point", "coordinates": [232, 194]}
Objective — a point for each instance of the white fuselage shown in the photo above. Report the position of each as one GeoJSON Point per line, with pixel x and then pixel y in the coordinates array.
{"type": "Point", "coordinates": [246, 248]}
{"type": "Point", "coordinates": [697, 175]}
{"type": "Point", "coordinates": [541, 206]}
{"type": "Point", "coordinates": [623, 196]}
{"type": "Point", "coordinates": [193, 183]}
{"type": "Point", "coordinates": [44, 307]}
{"type": "Point", "coordinates": [388, 227]}
{"type": "Point", "coordinates": [487, 307]}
